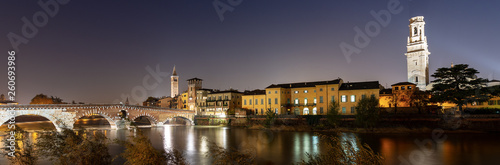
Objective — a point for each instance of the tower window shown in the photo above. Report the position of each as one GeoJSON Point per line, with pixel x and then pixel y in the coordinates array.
{"type": "Point", "coordinates": [416, 79]}
{"type": "Point", "coordinates": [415, 31]}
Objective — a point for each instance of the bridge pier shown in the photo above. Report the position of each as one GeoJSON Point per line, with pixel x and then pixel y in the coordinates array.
{"type": "Point", "coordinates": [121, 124]}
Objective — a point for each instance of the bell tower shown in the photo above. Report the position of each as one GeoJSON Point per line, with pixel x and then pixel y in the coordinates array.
{"type": "Point", "coordinates": [417, 54]}
{"type": "Point", "coordinates": [174, 84]}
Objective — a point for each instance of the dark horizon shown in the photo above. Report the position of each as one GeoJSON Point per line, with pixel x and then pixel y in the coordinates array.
{"type": "Point", "coordinates": [95, 51]}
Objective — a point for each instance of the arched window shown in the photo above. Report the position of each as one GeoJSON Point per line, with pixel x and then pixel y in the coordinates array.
{"type": "Point", "coordinates": [306, 111]}
{"type": "Point", "coordinates": [416, 79]}
{"type": "Point", "coordinates": [315, 111]}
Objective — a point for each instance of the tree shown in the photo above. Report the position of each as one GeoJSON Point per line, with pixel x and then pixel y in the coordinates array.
{"type": "Point", "coordinates": [367, 112]}
{"type": "Point", "coordinates": [140, 151]}
{"type": "Point", "coordinates": [333, 116]}
{"type": "Point", "coordinates": [25, 150]}
{"type": "Point", "coordinates": [395, 99]}
{"type": "Point", "coordinates": [458, 84]}
{"type": "Point", "coordinates": [270, 118]}
{"type": "Point", "coordinates": [419, 99]}
{"type": "Point", "coordinates": [75, 148]}
{"type": "Point", "coordinates": [44, 99]}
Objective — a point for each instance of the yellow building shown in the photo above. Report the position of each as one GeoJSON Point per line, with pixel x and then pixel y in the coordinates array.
{"type": "Point", "coordinates": [182, 104]}
{"type": "Point", "coordinates": [399, 95]}
{"type": "Point", "coordinates": [352, 92]}
{"type": "Point", "coordinates": [255, 101]}
{"type": "Point", "coordinates": [310, 98]}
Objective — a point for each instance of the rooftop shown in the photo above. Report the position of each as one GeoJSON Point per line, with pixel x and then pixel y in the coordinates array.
{"type": "Point", "coordinates": [403, 83]}
{"type": "Point", "coordinates": [360, 85]}
{"type": "Point", "coordinates": [305, 84]}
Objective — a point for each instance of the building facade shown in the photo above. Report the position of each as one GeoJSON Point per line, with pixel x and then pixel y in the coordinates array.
{"type": "Point", "coordinates": [417, 54]}
{"type": "Point", "coordinates": [193, 85]}
{"type": "Point", "coordinates": [310, 98]}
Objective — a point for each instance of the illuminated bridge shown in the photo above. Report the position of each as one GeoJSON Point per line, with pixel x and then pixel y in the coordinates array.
{"type": "Point", "coordinates": [119, 116]}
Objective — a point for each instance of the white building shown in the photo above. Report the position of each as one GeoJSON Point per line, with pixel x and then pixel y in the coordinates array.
{"type": "Point", "coordinates": [417, 54]}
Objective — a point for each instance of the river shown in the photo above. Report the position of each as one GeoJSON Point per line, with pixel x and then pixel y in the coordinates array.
{"type": "Point", "coordinates": [273, 147]}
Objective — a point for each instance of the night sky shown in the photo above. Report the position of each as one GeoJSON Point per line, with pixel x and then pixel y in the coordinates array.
{"type": "Point", "coordinates": [94, 51]}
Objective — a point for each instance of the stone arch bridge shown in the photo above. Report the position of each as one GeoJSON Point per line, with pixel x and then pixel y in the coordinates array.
{"type": "Point", "coordinates": [119, 116]}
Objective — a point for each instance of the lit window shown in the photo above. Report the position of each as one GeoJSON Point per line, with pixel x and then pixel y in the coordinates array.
{"type": "Point", "coordinates": [353, 98]}
{"type": "Point", "coordinates": [296, 92]}
{"type": "Point", "coordinates": [314, 100]}
{"type": "Point", "coordinates": [344, 98]}
{"type": "Point", "coordinates": [305, 91]}
{"type": "Point", "coordinates": [296, 101]}
{"type": "Point", "coordinates": [409, 87]}
{"type": "Point", "coordinates": [305, 101]}
{"type": "Point", "coordinates": [343, 110]}
{"type": "Point", "coordinates": [403, 88]}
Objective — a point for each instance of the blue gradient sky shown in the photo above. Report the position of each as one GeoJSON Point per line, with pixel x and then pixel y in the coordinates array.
{"type": "Point", "coordinates": [94, 51]}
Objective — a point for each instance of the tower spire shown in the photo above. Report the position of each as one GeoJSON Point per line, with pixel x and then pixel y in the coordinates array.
{"type": "Point", "coordinates": [174, 73]}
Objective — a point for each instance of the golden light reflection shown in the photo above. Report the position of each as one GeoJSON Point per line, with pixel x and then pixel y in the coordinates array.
{"type": "Point", "coordinates": [167, 135]}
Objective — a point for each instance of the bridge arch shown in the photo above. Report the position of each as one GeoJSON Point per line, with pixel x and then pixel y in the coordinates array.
{"type": "Point", "coordinates": [151, 119]}
{"type": "Point", "coordinates": [188, 121]}
{"type": "Point", "coordinates": [57, 123]}
{"type": "Point", "coordinates": [110, 120]}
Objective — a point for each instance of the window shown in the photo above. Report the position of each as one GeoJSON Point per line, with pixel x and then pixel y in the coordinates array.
{"type": "Point", "coordinates": [288, 100]}
{"type": "Point", "coordinates": [491, 102]}
{"type": "Point", "coordinates": [321, 110]}
{"type": "Point", "coordinates": [269, 92]}
{"type": "Point", "coordinates": [306, 111]}
{"type": "Point", "coordinates": [244, 102]}
{"type": "Point", "coordinates": [396, 88]}
{"type": "Point", "coordinates": [353, 98]}
{"type": "Point", "coordinates": [296, 92]}
{"type": "Point", "coordinates": [402, 88]}
{"type": "Point", "coordinates": [320, 89]}
{"type": "Point", "coordinates": [261, 101]}
{"type": "Point", "coordinates": [315, 91]}
{"type": "Point", "coordinates": [305, 91]}
{"type": "Point", "coordinates": [333, 89]}
{"type": "Point", "coordinates": [296, 101]}
{"type": "Point", "coordinates": [363, 96]}
{"type": "Point", "coordinates": [227, 98]}
{"type": "Point", "coordinates": [250, 102]}
{"type": "Point", "coordinates": [344, 98]}
{"type": "Point", "coordinates": [269, 101]}
{"type": "Point", "coordinates": [276, 110]}
{"type": "Point", "coordinates": [315, 111]}
{"type": "Point", "coordinates": [409, 87]}
{"type": "Point", "coordinates": [343, 110]}
{"type": "Point", "coordinates": [321, 99]}
{"type": "Point", "coordinates": [498, 102]}
{"type": "Point", "coordinates": [416, 79]}
{"type": "Point", "coordinates": [373, 96]}
{"type": "Point", "coordinates": [305, 101]}
{"type": "Point", "coordinates": [261, 111]}
{"type": "Point", "coordinates": [314, 100]}
{"type": "Point", "coordinates": [275, 100]}
{"type": "Point", "coordinates": [333, 99]}
{"type": "Point", "coordinates": [275, 92]}
{"type": "Point", "coordinates": [256, 101]}
{"type": "Point", "coordinates": [352, 110]}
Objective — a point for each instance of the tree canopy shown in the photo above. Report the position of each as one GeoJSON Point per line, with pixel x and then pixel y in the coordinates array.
{"type": "Point", "coordinates": [458, 84]}
{"type": "Point", "coordinates": [44, 99]}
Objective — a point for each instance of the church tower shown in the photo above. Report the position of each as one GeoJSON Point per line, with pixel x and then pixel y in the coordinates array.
{"type": "Point", "coordinates": [417, 54]}
{"type": "Point", "coordinates": [174, 84]}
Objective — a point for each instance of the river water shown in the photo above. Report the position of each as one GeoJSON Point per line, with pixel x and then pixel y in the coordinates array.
{"type": "Point", "coordinates": [272, 147]}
